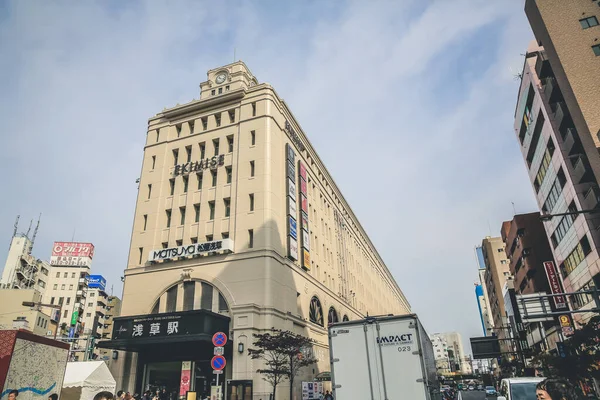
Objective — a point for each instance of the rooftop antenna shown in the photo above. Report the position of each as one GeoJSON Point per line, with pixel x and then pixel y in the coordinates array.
{"type": "Point", "coordinates": [514, 211]}
{"type": "Point", "coordinates": [16, 226]}
{"type": "Point", "coordinates": [37, 226]}
{"type": "Point", "coordinates": [28, 230]}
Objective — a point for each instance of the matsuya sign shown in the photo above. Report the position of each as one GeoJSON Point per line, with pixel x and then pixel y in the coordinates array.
{"type": "Point", "coordinates": [198, 166]}
{"type": "Point", "coordinates": [191, 250]}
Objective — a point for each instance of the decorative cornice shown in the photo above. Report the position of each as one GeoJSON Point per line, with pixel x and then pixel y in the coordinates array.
{"type": "Point", "coordinates": [196, 106]}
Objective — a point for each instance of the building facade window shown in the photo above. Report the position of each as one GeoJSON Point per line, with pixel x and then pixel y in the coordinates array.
{"type": "Point", "coordinates": [211, 208]}
{"type": "Point", "coordinates": [251, 198]}
{"type": "Point", "coordinates": [254, 109]}
{"type": "Point", "coordinates": [188, 153]}
{"type": "Point", "coordinates": [227, 204]}
{"type": "Point", "coordinates": [196, 212]}
{"type": "Point", "coordinates": [315, 313]}
{"type": "Point", "coordinates": [216, 146]}
{"type": "Point", "coordinates": [576, 257]}
{"type": "Point", "coordinates": [555, 192]}
{"type": "Point", "coordinates": [145, 221]}
{"type": "Point", "coordinates": [332, 316]}
{"type": "Point", "coordinates": [588, 22]}
{"type": "Point", "coordinates": [175, 157]}
{"type": "Point", "coordinates": [251, 168]}
{"type": "Point", "coordinates": [230, 144]}
{"type": "Point", "coordinates": [563, 226]}
{"type": "Point", "coordinates": [231, 116]}
{"type": "Point", "coordinates": [182, 214]}
{"type": "Point", "coordinates": [199, 178]}
{"type": "Point", "coordinates": [250, 238]}
{"type": "Point", "coordinates": [168, 213]}
{"type": "Point", "coordinates": [149, 190]}
{"type": "Point", "coordinates": [214, 178]}
{"type": "Point", "coordinates": [252, 138]}
{"type": "Point", "coordinates": [171, 187]}
{"type": "Point", "coordinates": [546, 160]}
{"type": "Point", "coordinates": [202, 150]}
{"type": "Point", "coordinates": [153, 162]}
{"type": "Point", "coordinates": [228, 173]}
{"type": "Point", "coordinates": [218, 119]}
{"type": "Point", "coordinates": [596, 50]}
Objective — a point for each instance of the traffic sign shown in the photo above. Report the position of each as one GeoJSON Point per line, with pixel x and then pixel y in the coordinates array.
{"type": "Point", "coordinates": [218, 362]}
{"type": "Point", "coordinates": [219, 351]}
{"type": "Point", "coordinates": [217, 371]}
{"type": "Point", "coordinates": [219, 339]}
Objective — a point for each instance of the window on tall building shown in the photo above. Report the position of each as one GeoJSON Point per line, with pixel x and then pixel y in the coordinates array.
{"type": "Point", "coordinates": [71, 287]}
{"type": "Point", "coordinates": [231, 116]}
{"type": "Point", "coordinates": [250, 238]}
{"type": "Point", "coordinates": [65, 314]}
{"type": "Point", "coordinates": [62, 287]}
{"type": "Point", "coordinates": [172, 299]}
{"type": "Point", "coordinates": [218, 119]}
{"type": "Point", "coordinates": [220, 90]}
{"type": "Point", "coordinates": [206, 296]}
{"type": "Point", "coordinates": [189, 289]}
{"type": "Point", "coordinates": [145, 221]}
{"type": "Point", "coordinates": [251, 168]}
{"type": "Point", "coordinates": [182, 214]}
{"type": "Point", "coordinates": [191, 124]}
{"type": "Point", "coordinates": [545, 164]}
{"type": "Point", "coordinates": [254, 109]}
{"type": "Point", "coordinates": [225, 235]}
{"type": "Point", "coordinates": [185, 184]}
{"type": "Point", "coordinates": [202, 150]}
{"type": "Point", "coordinates": [230, 144]}
{"type": "Point", "coordinates": [251, 197]}
{"type": "Point", "coordinates": [596, 49]}
{"type": "Point", "coordinates": [204, 121]}
{"type": "Point", "coordinates": [61, 300]}
{"type": "Point", "coordinates": [252, 138]}
{"type": "Point", "coordinates": [227, 204]}
{"type": "Point", "coordinates": [194, 240]}
{"type": "Point", "coordinates": [213, 92]}
{"type": "Point", "coordinates": [149, 190]}
{"type": "Point", "coordinates": [213, 174]}
{"type": "Point", "coordinates": [227, 88]}
{"type": "Point", "coordinates": [52, 300]}
{"type": "Point", "coordinates": [58, 274]}
{"type": "Point", "coordinates": [65, 275]}
{"type": "Point", "coordinates": [153, 162]}
{"type": "Point", "coordinates": [68, 301]}
{"type": "Point", "coordinates": [199, 178]}
{"type": "Point", "coordinates": [165, 245]}
{"type": "Point", "coordinates": [157, 135]}
{"type": "Point", "coordinates": [188, 153]}
{"type": "Point", "coordinates": [196, 212]}
{"type": "Point", "coordinates": [228, 173]}
{"type": "Point", "coordinates": [209, 238]}
{"type": "Point", "coordinates": [171, 187]}
{"type": "Point", "coordinates": [576, 256]}
{"type": "Point", "coordinates": [55, 286]}
{"type": "Point", "coordinates": [211, 208]}
{"type": "Point", "coordinates": [178, 242]}
{"type": "Point", "coordinates": [141, 255]}
{"type": "Point", "coordinates": [588, 22]}
{"type": "Point", "coordinates": [216, 146]}
{"type": "Point", "coordinates": [175, 156]}
{"type": "Point", "coordinates": [168, 213]}
{"type": "Point", "coordinates": [178, 129]}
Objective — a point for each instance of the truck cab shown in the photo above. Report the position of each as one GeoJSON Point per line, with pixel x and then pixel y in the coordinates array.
{"type": "Point", "coordinates": [518, 388]}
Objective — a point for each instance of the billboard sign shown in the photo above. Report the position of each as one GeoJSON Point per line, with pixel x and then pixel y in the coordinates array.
{"type": "Point", "coordinates": [304, 203]}
{"type": "Point", "coordinates": [293, 227]}
{"type": "Point", "coordinates": [304, 217]}
{"type": "Point", "coordinates": [97, 282]}
{"type": "Point", "coordinates": [292, 248]}
{"type": "Point", "coordinates": [290, 155]}
{"type": "Point", "coordinates": [303, 187]}
{"type": "Point", "coordinates": [305, 259]}
{"type": "Point", "coordinates": [291, 189]}
{"type": "Point", "coordinates": [72, 254]}
{"type": "Point", "coordinates": [485, 347]}
{"type": "Point", "coordinates": [196, 249]}
{"type": "Point", "coordinates": [305, 240]}
{"type": "Point", "coordinates": [555, 285]}
{"type": "Point", "coordinates": [302, 170]}
{"type": "Point", "coordinates": [292, 210]}
{"type": "Point", "coordinates": [291, 171]}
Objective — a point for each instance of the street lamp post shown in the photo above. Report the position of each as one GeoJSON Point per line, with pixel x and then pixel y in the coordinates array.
{"type": "Point", "coordinates": [40, 304]}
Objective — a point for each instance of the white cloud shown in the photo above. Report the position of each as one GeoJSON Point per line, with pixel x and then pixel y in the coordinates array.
{"type": "Point", "coordinates": [420, 141]}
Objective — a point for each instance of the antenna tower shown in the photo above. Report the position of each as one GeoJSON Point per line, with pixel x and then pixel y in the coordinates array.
{"type": "Point", "coordinates": [37, 226]}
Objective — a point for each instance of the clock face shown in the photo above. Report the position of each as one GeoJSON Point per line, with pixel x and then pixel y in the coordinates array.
{"type": "Point", "coordinates": [221, 78]}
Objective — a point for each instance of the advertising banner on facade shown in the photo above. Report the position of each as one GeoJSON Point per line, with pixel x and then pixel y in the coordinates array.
{"type": "Point", "coordinates": [555, 285]}
{"type": "Point", "coordinates": [566, 325]}
{"type": "Point", "coordinates": [292, 210]}
{"type": "Point", "coordinates": [304, 217]}
{"type": "Point", "coordinates": [72, 254]}
{"type": "Point", "coordinates": [291, 189]}
{"type": "Point", "coordinates": [305, 240]}
{"type": "Point", "coordinates": [302, 170]}
{"type": "Point", "coordinates": [293, 248]}
{"type": "Point", "coordinates": [304, 203]}
{"type": "Point", "coordinates": [292, 226]}
{"type": "Point", "coordinates": [305, 259]}
{"type": "Point", "coordinates": [186, 374]}
{"type": "Point", "coordinates": [303, 187]}
{"type": "Point", "coordinates": [291, 171]}
{"type": "Point", "coordinates": [191, 250]}
{"type": "Point", "coordinates": [289, 151]}
{"type": "Point", "coordinates": [97, 282]}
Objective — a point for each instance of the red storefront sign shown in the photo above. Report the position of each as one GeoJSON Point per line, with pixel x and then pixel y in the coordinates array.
{"type": "Point", "coordinates": [555, 285]}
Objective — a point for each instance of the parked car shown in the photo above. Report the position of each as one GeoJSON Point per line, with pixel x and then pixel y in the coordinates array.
{"type": "Point", "coordinates": [518, 388]}
{"type": "Point", "coordinates": [480, 387]}
{"type": "Point", "coordinates": [490, 391]}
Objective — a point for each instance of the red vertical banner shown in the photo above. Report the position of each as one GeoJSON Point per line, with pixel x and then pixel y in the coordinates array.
{"type": "Point", "coordinates": [186, 376]}
{"type": "Point", "coordinates": [555, 285]}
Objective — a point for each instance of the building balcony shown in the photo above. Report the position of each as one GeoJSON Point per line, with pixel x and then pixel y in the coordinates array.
{"type": "Point", "coordinates": [560, 112]}
{"type": "Point", "coordinates": [569, 140]}
{"type": "Point", "coordinates": [591, 198]}
{"type": "Point", "coordinates": [550, 89]}
{"type": "Point", "coordinates": [542, 66]}
{"type": "Point", "coordinates": [579, 169]}
{"type": "Point", "coordinates": [82, 281]}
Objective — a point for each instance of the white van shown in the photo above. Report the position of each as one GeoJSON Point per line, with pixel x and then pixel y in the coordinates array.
{"type": "Point", "coordinates": [518, 388]}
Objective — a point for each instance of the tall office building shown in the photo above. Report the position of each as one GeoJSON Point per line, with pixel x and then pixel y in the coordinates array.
{"type": "Point", "coordinates": [440, 351]}
{"type": "Point", "coordinates": [238, 227]}
{"type": "Point", "coordinates": [558, 125]}
{"type": "Point", "coordinates": [482, 296]}
{"type": "Point", "coordinates": [113, 309]}
{"type": "Point", "coordinates": [450, 344]}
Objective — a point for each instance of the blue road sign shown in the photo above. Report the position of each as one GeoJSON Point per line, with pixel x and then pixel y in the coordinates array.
{"type": "Point", "coordinates": [218, 362]}
{"type": "Point", "coordinates": [219, 339]}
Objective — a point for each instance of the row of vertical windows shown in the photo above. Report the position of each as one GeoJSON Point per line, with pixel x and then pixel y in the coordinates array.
{"type": "Point", "coordinates": [581, 300]}
{"type": "Point", "coordinates": [211, 206]}
{"type": "Point", "coordinates": [576, 256]}
{"type": "Point", "coordinates": [555, 191]}
{"type": "Point", "coordinates": [563, 226]}
{"type": "Point", "coordinates": [546, 160]}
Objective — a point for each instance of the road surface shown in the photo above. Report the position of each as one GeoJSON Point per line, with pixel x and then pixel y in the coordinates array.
{"type": "Point", "coordinates": [474, 395]}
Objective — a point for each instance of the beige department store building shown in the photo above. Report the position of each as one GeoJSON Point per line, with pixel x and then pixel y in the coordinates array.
{"type": "Point", "coordinates": [238, 227]}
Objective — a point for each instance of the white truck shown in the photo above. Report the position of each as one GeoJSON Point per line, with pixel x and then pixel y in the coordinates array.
{"type": "Point", "coordinates": [382, 358]}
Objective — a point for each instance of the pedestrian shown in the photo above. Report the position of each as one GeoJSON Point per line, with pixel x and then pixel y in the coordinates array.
{"type": "Point", "coordinates": [53, 396]}
{"type": "Point", "coordinates": [164, 395]}
{"type": "Point", "coordinates": [13, 394]}
{"type": "Point", "coordinates": [120, 394]}
{"type": "Point", "coordinates": [105, 395]}
{"type": "Point", "coordinates": [555, 389]}
{"type": "Point", "coordinates": [156, 395]}
{"type": "Point", "coordinates": [328, 396]}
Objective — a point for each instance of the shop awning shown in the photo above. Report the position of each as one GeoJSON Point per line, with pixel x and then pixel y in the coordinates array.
{"type": "Point", "coordinates": [138, 332]}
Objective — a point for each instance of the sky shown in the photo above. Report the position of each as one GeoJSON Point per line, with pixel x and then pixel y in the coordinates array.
{"type": "Point", "coordinates": [410, 105]}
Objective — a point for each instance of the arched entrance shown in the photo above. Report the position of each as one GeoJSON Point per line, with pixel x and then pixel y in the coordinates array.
{"type": "Point", "coordinates": [174, 341]}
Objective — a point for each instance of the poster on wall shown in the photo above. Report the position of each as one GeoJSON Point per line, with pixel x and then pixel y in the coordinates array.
{"type": "Point", "coordinates": [304, 217]}
{"type": "Point", "coordinates": [555, 285]}
{"type": "Point", "coordinates": [292, 248]}
{"type": "Point", "coordinates": [291, 189]}
{"type": "Point", "coordinates": [292, 227]}
{"type": "Point", "coordinates": [305, 240]}
{"type": "Point", "coordinates": [289, 151]}
{"type": "Point", "coordinates": [305, 259]}
{"type": "Point", "coordinates": [291, 171]}
{"type": "Point", "coordinates": [292, 210]}
{"type": "Point", "coordinates": [302, 170]}
{"type": "Point", "coordinates": [303, 188]}
{"type": "Point", "coordinates": [186, 375]}
{"type": "Point", "coordinates": [304, 203]}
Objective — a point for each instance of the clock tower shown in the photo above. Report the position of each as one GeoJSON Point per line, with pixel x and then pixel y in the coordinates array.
{"type": "Point", "coordinates": [227, 78]}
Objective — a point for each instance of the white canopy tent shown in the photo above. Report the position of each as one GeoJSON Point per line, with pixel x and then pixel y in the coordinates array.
{"type": "Point", "coordinates": [86, 378]}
